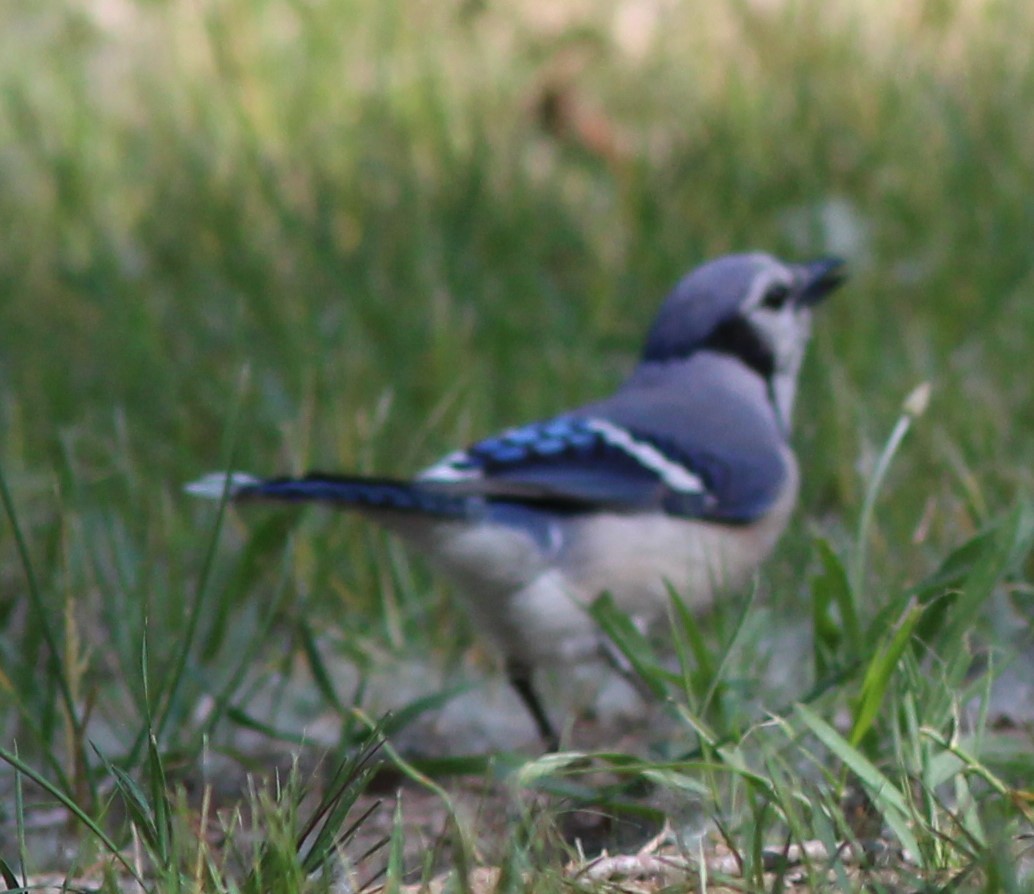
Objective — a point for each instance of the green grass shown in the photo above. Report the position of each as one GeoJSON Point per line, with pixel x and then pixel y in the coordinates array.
{"type": "Point", "coordinates": [286, 235]}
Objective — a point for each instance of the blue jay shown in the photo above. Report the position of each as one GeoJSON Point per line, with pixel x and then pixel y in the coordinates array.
{"type": "Point", "coordinates": [683, 478]}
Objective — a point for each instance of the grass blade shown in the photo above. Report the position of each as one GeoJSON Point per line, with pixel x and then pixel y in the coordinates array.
{"type": "Point", "coordinates": [74, 809]}
{"type": "Point", "coordinates": [632, 645]}
{"type": "Point", "coordinates": [41, 616]}
{"type": "Point", "coordinates": [396, 869]}
{"type": "Point", "coordinates": [698, 678]}
{"type": "Point", "coordinates": [175, 677]}
{"type": "Point", "coordinates": [10, 879]}
{"type": "Point", "coordinates": [914, 406]}
{"type": "Point", "coordinates": [884, 794]}
{"type": "Point", "coordinates": [326, 825]}
{"type": "Point", "coordinates": [879, 672]}
{"type": "Point", "coordinates": [836, 644]}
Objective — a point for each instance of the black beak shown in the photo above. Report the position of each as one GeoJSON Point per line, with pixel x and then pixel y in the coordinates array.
{"type": "Point", "coordinates": [818, 279]}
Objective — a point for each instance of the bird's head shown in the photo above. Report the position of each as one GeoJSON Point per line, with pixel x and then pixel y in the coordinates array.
{"type": "Point", "coordinates": [752, 307]}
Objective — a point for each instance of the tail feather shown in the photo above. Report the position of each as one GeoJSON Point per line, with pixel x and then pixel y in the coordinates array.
{"type": "Point", "coordinates": [336, 490]}
{"type": "Point", "coordinates": [215, 485]}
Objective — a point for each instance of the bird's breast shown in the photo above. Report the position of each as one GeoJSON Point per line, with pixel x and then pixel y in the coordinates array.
{"type": "Point", "coordinates": [530, 593]}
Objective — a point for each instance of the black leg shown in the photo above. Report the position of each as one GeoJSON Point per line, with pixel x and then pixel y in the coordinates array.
{"type": "Point", "coordinates": [520, 678]}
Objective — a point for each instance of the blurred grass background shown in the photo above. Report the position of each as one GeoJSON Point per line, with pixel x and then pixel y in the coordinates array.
{"type": "Point", "coordinates": [369, 231]}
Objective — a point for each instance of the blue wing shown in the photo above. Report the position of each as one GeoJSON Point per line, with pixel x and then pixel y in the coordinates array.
{"type": "Point", "coordinates": [584, 462]}
{"type": "Point", "coordinates": [694, 439]}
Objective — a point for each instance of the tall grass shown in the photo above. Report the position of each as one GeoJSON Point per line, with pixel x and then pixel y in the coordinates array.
{"type": "Point", "coordinates": [351, 235]}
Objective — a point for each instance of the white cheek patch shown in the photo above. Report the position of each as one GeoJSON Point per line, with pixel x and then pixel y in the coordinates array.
{"type": "Point", "coordinates": [762, 282]}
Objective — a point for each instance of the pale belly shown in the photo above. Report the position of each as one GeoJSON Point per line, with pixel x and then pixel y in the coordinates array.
{"type": "Point", "coordinates": [532, 602]}
{"type": "Point", "coordinates": [639, 561]}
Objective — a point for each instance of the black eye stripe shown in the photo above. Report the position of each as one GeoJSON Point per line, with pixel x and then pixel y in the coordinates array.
{"type": "Point", "coordinates": [776, 297]}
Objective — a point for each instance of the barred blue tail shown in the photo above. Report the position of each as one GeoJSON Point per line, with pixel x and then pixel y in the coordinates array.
{"type": "Point", "coordinates": [336, 490]}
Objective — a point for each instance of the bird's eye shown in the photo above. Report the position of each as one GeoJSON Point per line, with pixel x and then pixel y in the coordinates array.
{"type": "Point", "coordinates": [776, 297]}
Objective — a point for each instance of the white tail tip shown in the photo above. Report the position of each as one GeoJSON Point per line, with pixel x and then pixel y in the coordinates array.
{"type": "Point", "coordinates": [213, 485]}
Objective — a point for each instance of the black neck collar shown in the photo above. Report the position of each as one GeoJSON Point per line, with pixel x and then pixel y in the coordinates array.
{"type": "Point", "coordinates": [737, 338]}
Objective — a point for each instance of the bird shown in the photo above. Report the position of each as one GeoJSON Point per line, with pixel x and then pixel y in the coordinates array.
{"type": "Point", "coordinates": [682, 480]}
